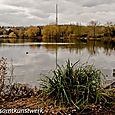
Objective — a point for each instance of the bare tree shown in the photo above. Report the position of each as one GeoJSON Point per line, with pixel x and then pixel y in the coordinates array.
{"type": "Point", "coordinates": [108, 28]}
{"type": "Point", "coordinates": [94, 25]}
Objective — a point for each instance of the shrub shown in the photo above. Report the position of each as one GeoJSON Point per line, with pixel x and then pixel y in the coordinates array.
{"type": "Point", "coordinates": [9, 89]}
{"type": "Point", "coordinates": [3, 73]}
{"type": "Point", "coordinates": [6, 77]}
{"type": "Point", "coordinates": [78, 86]}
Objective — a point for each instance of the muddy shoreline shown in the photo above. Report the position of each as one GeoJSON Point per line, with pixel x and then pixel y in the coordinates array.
{"type": "Point", "coordinates": [49, 108]}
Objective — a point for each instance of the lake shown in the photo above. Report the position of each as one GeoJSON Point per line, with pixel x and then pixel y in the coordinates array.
{"type": "Point", "coordinates": [30, 60]}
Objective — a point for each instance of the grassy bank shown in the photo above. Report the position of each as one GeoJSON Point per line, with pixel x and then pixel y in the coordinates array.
{"type": "Point", "coordinates": [73, 88]}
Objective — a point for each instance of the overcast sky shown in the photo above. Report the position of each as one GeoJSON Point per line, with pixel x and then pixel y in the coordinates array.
{"type": "Point", "coordinates": [42, 12]}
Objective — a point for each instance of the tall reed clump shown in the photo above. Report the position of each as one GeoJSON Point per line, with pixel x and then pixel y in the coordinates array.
{"type": "Point", "coordinates": [75, 85]}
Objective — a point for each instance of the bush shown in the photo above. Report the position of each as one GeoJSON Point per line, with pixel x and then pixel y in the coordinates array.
{"type": "Point", "coordinates": [78, 86]}
{"type": "Point", "coordinates": [3, 73]}
{"type": "Point", "coordinates": [6, 77]}
{"type": "Point", "coordinates": [9, 89]}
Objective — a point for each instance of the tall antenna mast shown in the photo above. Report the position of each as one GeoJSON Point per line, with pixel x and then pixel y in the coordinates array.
{"type": "Point", "coordinates": [56, 14]}
{"type": "Point", "coordinates": [56, 32]}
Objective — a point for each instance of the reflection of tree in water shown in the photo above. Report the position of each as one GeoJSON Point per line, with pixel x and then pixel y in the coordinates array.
{"type": "Point", "coordinates": [35, 46]}
{"type": "Point", "coordinates": [108, 48]}
{"type": "Point", "coordinates": [92, 47]}
{"type": "Point", "coordinates": [70, 47]}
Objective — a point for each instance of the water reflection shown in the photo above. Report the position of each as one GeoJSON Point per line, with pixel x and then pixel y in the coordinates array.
{"type": "Point", "coordinates": [92, 47]}
{"type": "Point", "coordinates": [42, 57]}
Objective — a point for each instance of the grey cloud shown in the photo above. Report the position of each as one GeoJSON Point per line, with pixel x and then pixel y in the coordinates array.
{"type": "Point", "coordinates": [39, 13]}
{"type": "Point", "coordinates": [92, 3]}
{"type": "Point", "coordinates": [25, 12]}
{"type": "Point", "coordinates": [20, 19]}
{"type": "Point", "coordinates": [7, 11]}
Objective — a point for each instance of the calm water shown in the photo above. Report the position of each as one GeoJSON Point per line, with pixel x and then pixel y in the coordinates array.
{"type": "Point", "coordinates": [32, 59]}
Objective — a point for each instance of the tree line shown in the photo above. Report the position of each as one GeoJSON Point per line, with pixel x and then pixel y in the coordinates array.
{"type": "Point", "coordinates": [32, 33]}
{"type": "Point", "coordinates": [70, 32]}
{"type": "Point", "coordinates": [60, 32]}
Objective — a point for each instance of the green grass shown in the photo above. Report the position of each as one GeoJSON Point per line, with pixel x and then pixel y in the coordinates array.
{"type": "Point", "coordinates": [75, 85]}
